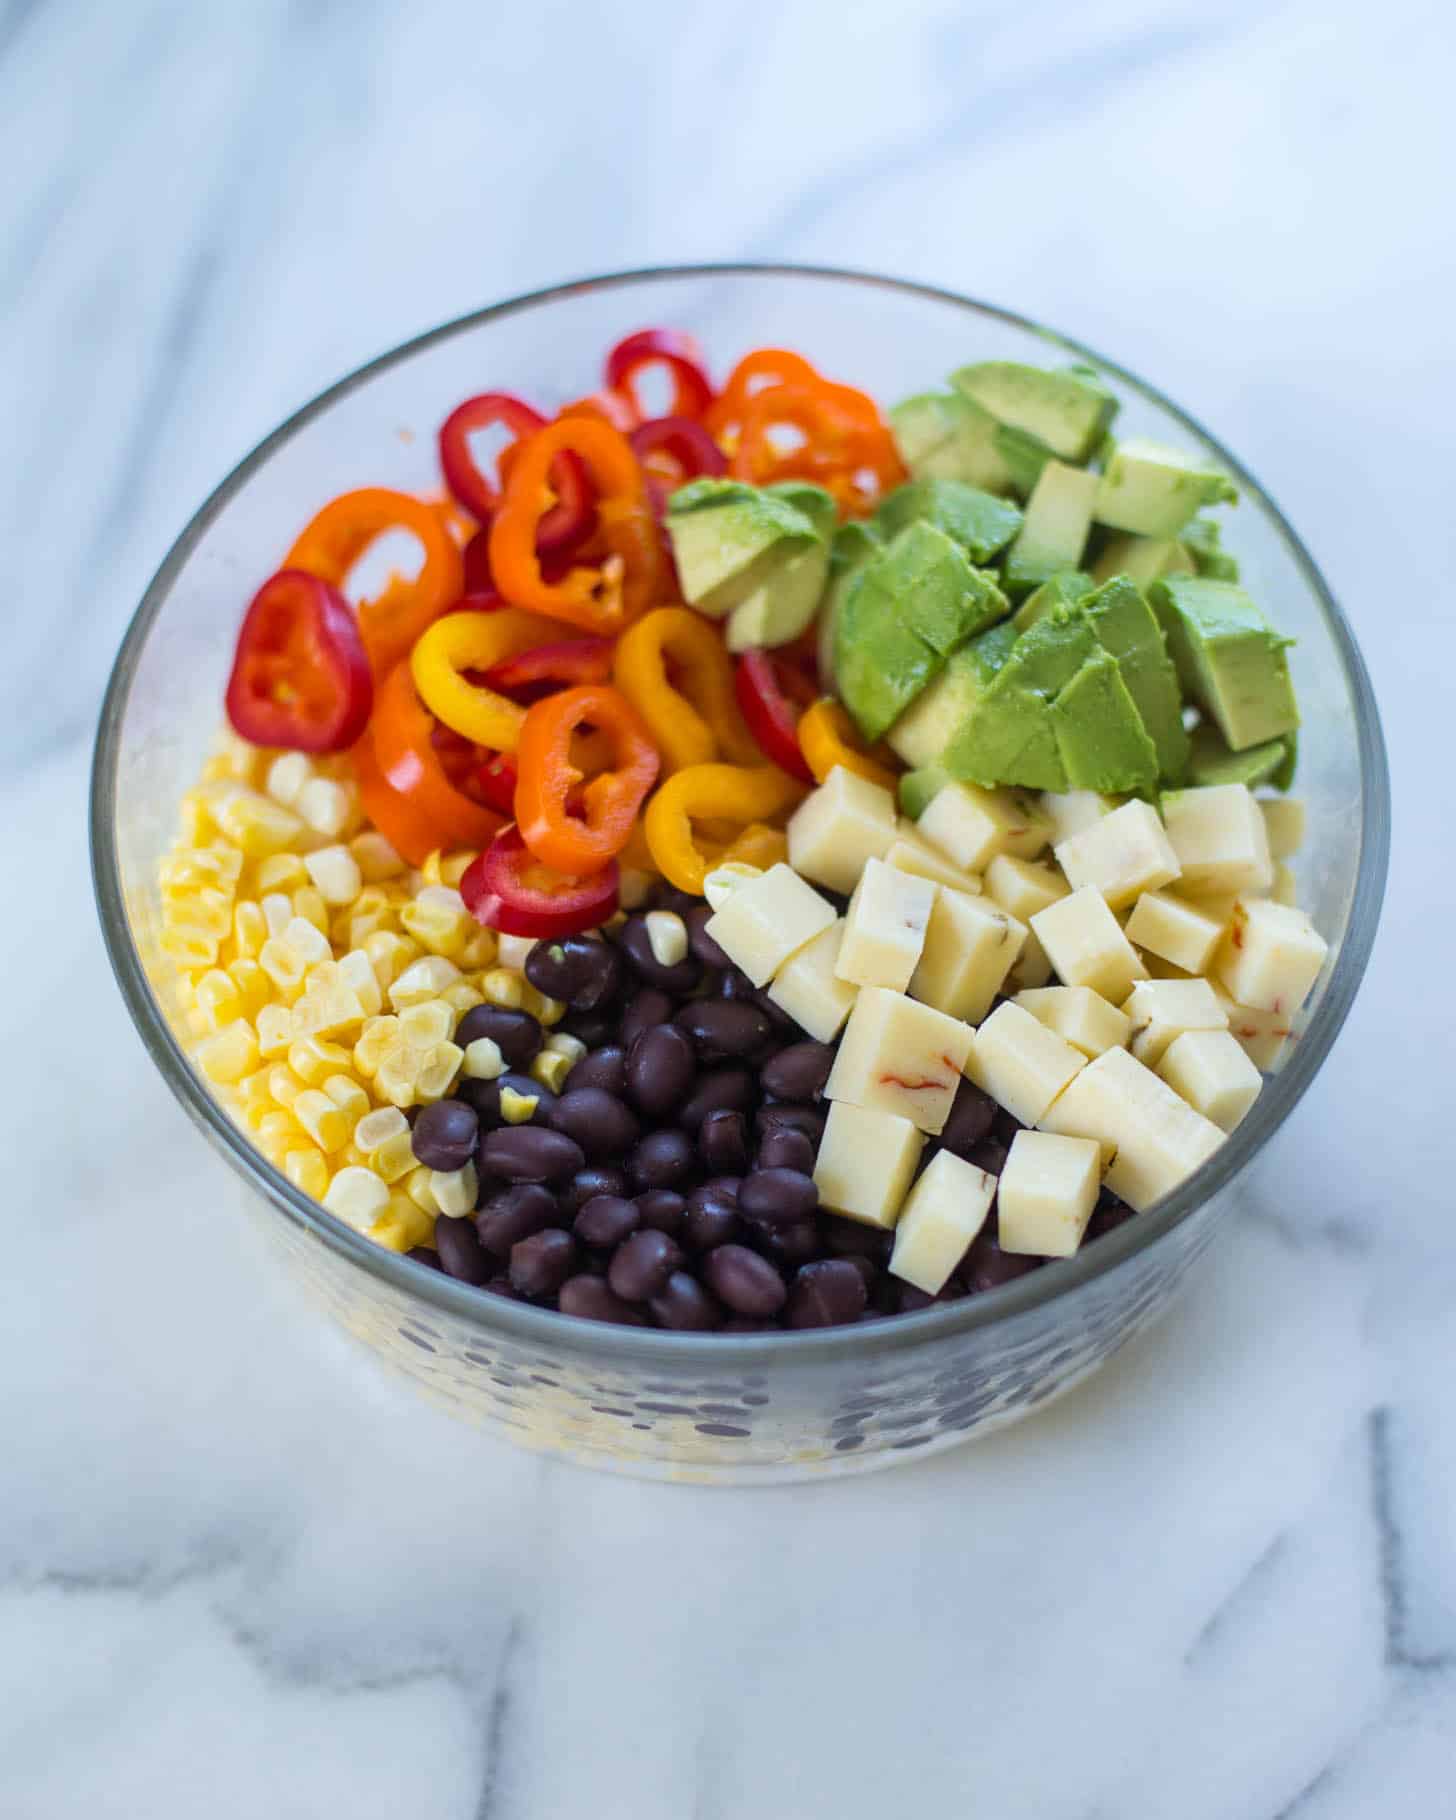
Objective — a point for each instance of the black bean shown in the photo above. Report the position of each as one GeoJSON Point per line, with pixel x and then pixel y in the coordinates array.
{"type": "Point", "coordinates": [580, 970]}
{"type": "Point", "coordinates": [426, 1255]}
{"type": "Point", "coordinates": [601, 1123]}
{"type": "Point", "coordinates": [701, 943]}
{"type": "Point", "coordinates": [590, 1027]}
{"type": "Point", "coordinates": [668, 897]}
{"type": "Point", "coordinates": [642, 1263]}
{"type": "Point", "coordinates": [664, 1159]}
{"type": "Point", "coordinates": [865, 1267]}
{"type": "Point", "coordinates": [798, 1072]}
{"type": "Point", "coordinates": [792, 1244]}
{"type": "Point", "coordinates": [777, 1197]}
{"type": "Point", "coordinates": [515, 1033]}
{"type": "Point", "coordinates": [486, 1098]}
{"type": "Point", "coordinates": [685, 1305]}
{"type": "Point", "coordinates": [972, 1114]}
{"type": "Point", "coordinates": [849, 1238]}
{"type": "Point", "coordinates": [531, 1153]}
{"type": "Point", "coordinates": [660, 1070]}
{"type": "Point", "coordinates": [606, 1220]}
{"type": "Point", "coordinates": [989, 1155]}
{"type": "Point", "coordinates": [712, 1214]}
{"type": "Point", "coordinates": [1006, 1126]}
{"type": "Point", "coordinates": [586, 1184]}
{"type": "Point", "coordinates": [777, 1016]}
{"type": "Point", "coordinates": [502, 1287]}
{"type": "Point", "coordinates": [461, 1253]}
{"type": "Point", "coordinates": [785, 1148]}
{"type": "Point", "coordinates": [662, 1209]}
{"type": "Point", "coordinates": [988, 1266]}
{"type": "Point", "coordinates": [1107, 1215]}
{"type": "Point", "coordinates": [589, 1299]}
{"type": "Point", "coordinates": [743, 1281]}
{"type": "Point", "coordinates": [636, 944]}
{"type": "Point", "coordinates": [781, 1117]}
{"type": "Point", "coordinates": [739, 1323]}
{"type": "Point", "coordinates": [514, 1214]}
{"type": "Point", "coordinates": [723, 1142]}
{"type": "Point", "coordinates": [445, 1134]}
{"type": "Point", "coordinates": [543, 1262]}
{"type": "Point", "coordinates": [910, 1300]}
{"type": "Point", "coordinates": [604, 1067]}
{"type": "Point", "coordinates": [826, 1294]}
{"type": "Point", "coordinates": [723, 1028]}
{"type": "Point", "coordinates": [729, 1089]}
{"type": "Point", "coordinates": [647, 1007]}
{"type": "Point", "coordinates": [733, 984]}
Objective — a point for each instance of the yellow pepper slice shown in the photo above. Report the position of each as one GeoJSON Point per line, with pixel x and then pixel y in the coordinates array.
{"type": "Point", "coordinates": [710, 793]}
{"type": "Point", "coordinates": [827, 738]}
{"type": "Point", "coordinates": [694, 719]}
{"type": "Point", "coordinates": [758, 845]}
{"type": "Point", "coordinates": [474, 641]}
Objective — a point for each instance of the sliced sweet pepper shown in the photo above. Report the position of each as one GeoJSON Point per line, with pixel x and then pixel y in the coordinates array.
{"type": "Point", "coordinates": [407, 759]}
{"type": "Point", "coordinates": [533, 673]}
{"type": "Point", "coordinates": [758, 845]}
{"type": "Point", "coordinates": [300, 676]}
{"type": "Point", "coordinates": [672, 666]}
{"type": "Point", "coordinates": [844, 446]}
{"type": "Point", "coordinates": [692, 390]}
{"type": "Point", "coordinates": [827, 738]}
{"type": "Point", "coordinates": [772, 694]}
{"type": "Point", "coordinates": [547, 803]}
{"type": "Point", "coordinates": [507, 888]}
{"type": "Point", "coordinates": [334, 540]}
{"type": "Point", "coordinates": [703, 793]}
{"type": "Point", "coordinates": [475, 641]}
{"type": "Point", "coordinates": [763, 367]}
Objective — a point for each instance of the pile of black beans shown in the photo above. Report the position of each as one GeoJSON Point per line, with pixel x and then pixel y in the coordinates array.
{"type": "Point", "coordinates": [670, 1183]}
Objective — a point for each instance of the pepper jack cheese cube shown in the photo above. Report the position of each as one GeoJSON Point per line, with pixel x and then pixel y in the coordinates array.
{"type": "Point", "coordinates": [885, 927]}
{"type": "Point", "coordinates": [1262, 1035]}
{"type": "Point", "coordinates": [1023, 886]}
{"type": "Point", "coordinates": [810, 991]}
{"type": "Point", "coordinates": [911, 854]}
{"type": "Point", "coordinates": [1020, 1063]}
{"type": "Point", "coordinates": [1033, 969]}
{"type": "Point", "coordinates": [1210, 1070]}
{"type": "Point", "coordinates": [766, 920]}
{"type": "Point", "coordinates": [1080, 1015]}
{"type": "Point", "coordinates": [943, 1212]}
{"type": "Point", "coordinates": [1283, 823]}
{"type": "Point", "coordinates": [1163, 1009]}
{"type": "Point", "coordinates": [1125, 853]}
{"type": "Point", "coordinates": [1183, 933]}
{"type": "Point", "coordinates": [1218, 834]}
{"type": "Point", "coordinates": [901, 1057]}
{"type": "Point", "coordinates": [839, 826]}
{"type": "Point", "coordinates": [1086, 946]}
{"type": "Point", "coordinates": [970, 947]}
{"type": "Point", "coordinates": [1150, 1138]}
{"type": "Point", "coordinates": [1270, 957]}
{"type": "Point", "coordinates": [972, 825]}
{"type": "Point", "coordinates": [1071, 811]}
{"type": "Point", "coordinates": [1047, 1193]}
{"type": "Point", "coordinates": [865, 1163]}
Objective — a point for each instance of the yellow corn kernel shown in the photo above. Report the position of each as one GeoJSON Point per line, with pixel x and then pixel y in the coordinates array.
{"type": "Point", "coordinates": [358, 974]}
{"type": "Point", "coordinates": [284, 966]}
{"type": "Point", "coordinates": [551, 1068]}
{"type": "Point", "coordinates": [253, 986]}
{"type": "Point", "coordinates": [389, 955]}
{"type": "Point", "coordinates": [358, 1197]}
{"type": "Point", "coordinates": [194, 819]}
{"type": "Point", "coordinates": [547, 1011]}
{"type": "Point", "coordinates": [324, 1122]}
{"type": "Point", "coordinates": [250, 929]}
{"type": "Point", "coordinates": [329, 807]}
{"type": "Point", "coordinates": [284, 1085]}
{"type": "Point", "coordinates": [426, 1024]}
{"type": "Point", "coordinates": [278, 1133]}
{"type": "Point", "coordinates": [455, 1190]}
{"type": "Point", "coordinates": [350, 1157]}
{"type": "Point", "coordinates": [374, 856]}
{"type": "Point", "coordinates": [253, 1090]}
{"type": "Point", "coordinates": [286, 776]}
{"type": "Point", "coordinates": [423, 979]}
{"type": "Point", "coordinates": [306, 939]}
{"type": "Point", "coordinates": [189, 948]}
{"type": "Point", "coordinates": [208, 908]}
{"type": "Point", "coordinates": [503, 988]}
{"type": "Point", "coordinates": [307, 1170]}
{"type": "Point", "coordinates": [279, 872]}
{"type": "Point", "coordinates": [448, 868]}
{"type": "Point", "coordinates": [335, 873]}
{"type": "Point", "coordinates": [312, 1059]}
{"type": "Point", "coordinates": [275, 1031]}
{"type": "Point", "coordinates": [480, 951]}
{"type": "Point", "coordinates": [483, 1060]}
{"type": "Point", "coordinates": [186, 868]}
{"type": "Point", "coordinates": [277, 908]}
{"type": "Point", "coordinates": [252, 821]}
{"type": "Point", "coordinates": [516, 1108]}
{"type": "Point", "coordinates": [329, 1006]}
{"type": "Point", "coordinates": [237, 757]}
{"type": "Point", "coordinates": [348, 1096]}
{"type": "Point", "coordinates": [402, 1225]}
{"type": "Point", "coordinates": [394, 1158]}
{"type": "Point", "coordinates": [229, 1054]}
{"type": "Point", "coordinates": [353, 927]}
{"type": "Point", "coordinates": [436, 927]}
{"type": "Point", "coordinates": [461, 997]}
{"type": "Point", "coordinates": [217, 997]}
{"type": "Point", "coordinates": [309, 904]}
{"type": "Point", "coordinates": [376, 1039]}
{"type": "Point", "coordinates": [378, 1128]}
{"type": "Point", "coordinates": [513, 950]}
{"type": "Point", "coordinates": [417, 1186]}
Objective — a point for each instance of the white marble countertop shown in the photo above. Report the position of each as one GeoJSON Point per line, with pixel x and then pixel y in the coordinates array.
{"type": "Point", "coordinates": [240, 1575]}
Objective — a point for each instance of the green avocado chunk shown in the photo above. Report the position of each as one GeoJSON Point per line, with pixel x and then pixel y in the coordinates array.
{"type": "Point", "coordinates": [1053, 534]}
{"type": "Point", "coordinates": [979, 522]}
{"type": "Point", "coordinates": [1153, 490]}
{"type": "Point", "coordinates": [901, 615]}
{"type": "Point", "coordinates": [1142, 559]}
{"type": "Point", "coordinates": [1202, 538]}
{"type": "Point", "coordinates": [1101, 739]}
{"type": "Point", "coordinates": [852, 545]}
{"type": "Point", "coordinates": [816, 505]}
{"type": "Point", "coordinates": [727, 537]}
{"type": "Point", "coordinates": [926, 727]}
{"type": "Point", "coordinates": [918, 789]}
{"type": "Point", "coordinates": [1230, 659]}
{"type": "Point", "coordinates": [1127, 628]}
{"type": "Point", "coordinates": [1069, 411]}
{"type": "Point", "coordinates": [1064, 589]}
{"type": "Point", "coordinates": [1270, 762]}
{"type": "Point", "coordinates": [1025, 456]}
{"type": "Point", "coordinates": [1009, 737]}
{"type": "Point", "coordinates": [943, 435]}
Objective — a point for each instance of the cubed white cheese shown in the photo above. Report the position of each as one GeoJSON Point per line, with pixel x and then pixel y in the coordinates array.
{"type": "Point", "coordinates": [901, 1057]}
{"type": "Point", "coordinates": [1151, 1140]}
{"type": "Point", "coordinates": [810, 991]}
{"type": "Point", "coordinates": [1020, 1063]}
{"type": "Point", "coordinates": [1086, 946]}
{"type": "Point", "coordinates": [1048, 1190]}
{"type": "Point", "coordinates": [767, 919]}
{"type": "Point", "coordinates": [885, 927]}
{"type": "Point", "coordinates": [1219, 837]}
{"type": "Point", "coordinates": [865, 1163]}
{"type": "Point", "coordinates": [970, 947]}
{"type": "Point", "coordinates": [1285, 889]}
{"type": "Point", "coordinates": [1033, 969]}
{"type": "Point", "coordinates": [1283, 823]}
{"type": "Point", "coordinates": [1209, 1069]}
{"type": "Point", "coordinates": [1270, 956]}
{"type": "Point", "coordinates": [943, 1212]}
{"type": "Point", "coordinates": [1082, 1016]}
{"type": "Point", "coordinates": [1262, 1035]}
{"type": "Point", "coordinates": [839, 826]}
{"type": "Point", "coordinates": [971, 826]}
{"type": "Point", "coordinates": [1163, 1009]}
{"type": "Point", "coordinates": [1175, 930]}
{"type": "Point", "coordinates": [1023, 886]}
{"type": "Point", "coordinates": [1071, 811]}
{"type": "Point", "coordinates": [1123, 854]}
{"type": "Point", "coordinates": [911, 854]}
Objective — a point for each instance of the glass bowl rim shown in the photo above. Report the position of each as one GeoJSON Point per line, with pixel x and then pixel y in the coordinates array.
{"type": "Point", "coordinates": [545, 1327]}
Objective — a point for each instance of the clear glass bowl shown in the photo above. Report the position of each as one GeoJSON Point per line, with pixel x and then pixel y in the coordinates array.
{"type": "Point", "coordinates": [687, 1406]}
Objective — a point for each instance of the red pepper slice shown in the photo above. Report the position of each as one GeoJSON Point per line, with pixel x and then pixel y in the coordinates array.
{"type": "Point", "coordinates": [771, 697]}
{"type": "Point", "coordinates": [534, 673]}
{"type": "Point", "coordinates": [692, 391]}
{"type": "Point", "coordinates": [495, 781]}
{"type": "Point", "coordinates": [508, 889]}
{"type": "Point", "coordinates": [475, 560]}
{"type": "Point", "coordinates": [300, 676]}
{"type": "Point", "coordinates": [546, 808]}
{"type": "Point", "coordinates": [571, 517]}
{"type": "Point", "coordinates": [673, 451]}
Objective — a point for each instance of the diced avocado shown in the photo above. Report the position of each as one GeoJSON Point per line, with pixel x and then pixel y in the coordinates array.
{"type": "Point", "coordinates": [1153, 490]}
{"type": "Point", "coordinates": [783, 603]}
{"type": "Point", "coordinates": [927, 725]}
{"type": "Point", "coordinates": [1054, 532]}
{"type": "Point", "coordinates": [853, 544]}
{"type": "Point", "coordinates": [1127, 628]}
{"type": "Point", "coordinates": [815, 503]}
{"type": "Point", "coordinates": [1142, 559]}
{"type": "Point", "coordinates": [1212, 762]}
{"type": "Point", "coordinates": [1229, 658]}
{"type": "Point", "coordinates": [1025, 456]}
{"type": "Point", "coordinates": [978, 521]}
{"type": "Point", "coordinates": [1069, 411]}
{"type": "Point", "coordinates": [727, 537]}
{"type": "Point", "coordinates": [1009, 737]}
{"type": "Point", "coordinates": [918, 788]}
{"type": "Point", "coordinates": [942, 435]}
{"type": "Point", "coordinates": [1101, 739]}
{"type": "Point", "coordinates": [1202, 539]}
{"type": "Point", "coordinates": [901, 615]}
{"type": "Point", "coordinates": [1064, 589]}
{"type": "Point", "coordinates": [1283, 778]}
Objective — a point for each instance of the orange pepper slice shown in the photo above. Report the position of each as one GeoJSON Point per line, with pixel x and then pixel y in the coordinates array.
{"type": "Point", "coordinates": [827, 738]}
{"type": "Point", "coordinates": [408, 762]}
{"type": "Point", "coordinates": [579, 833]}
